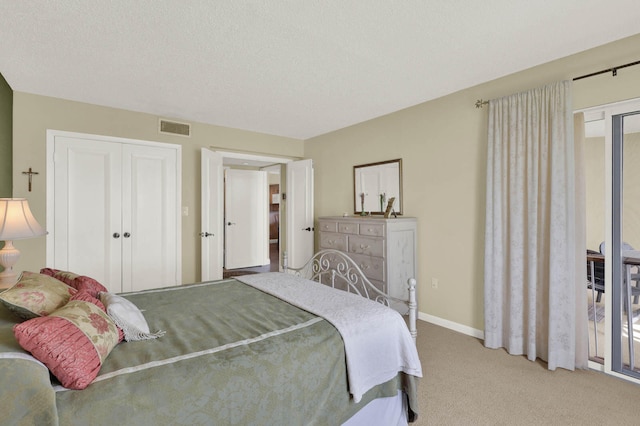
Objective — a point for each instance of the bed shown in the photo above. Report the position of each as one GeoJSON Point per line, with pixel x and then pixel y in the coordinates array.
{"type": "Point", "coordinates": [238, 351]}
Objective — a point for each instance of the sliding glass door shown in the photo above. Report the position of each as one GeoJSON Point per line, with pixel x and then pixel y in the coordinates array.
{"type": "Point", "coordinates": [612, 159]}
{"type": "Point", "coordinates": [595, 196]}
{"type": "Point", "coordinates": [626, 241]}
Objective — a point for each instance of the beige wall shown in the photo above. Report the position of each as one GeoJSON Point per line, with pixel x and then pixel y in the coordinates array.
{"type": "Point", "coordinates": [442, 144]}
{"type": "Point", "coordinates": [443, 147]}
{"type": "Point", "coordinates": [33, 115]}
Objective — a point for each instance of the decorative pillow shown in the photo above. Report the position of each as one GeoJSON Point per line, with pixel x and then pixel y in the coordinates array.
{"type": "Point", "coordinates": [79, 282]}
{"type": "Point", "coordinates": [72, 342]}
{"type": "Point", "coordinates": [126, 315]}
{"type": "Point", "coordinates": [36, 295]}
{"type": "Point", "coordinates": [86, 297]}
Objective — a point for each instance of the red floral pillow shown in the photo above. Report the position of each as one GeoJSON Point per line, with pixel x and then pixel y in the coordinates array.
{"type": "Point", "coordinates": [79, 282]}
{"type": "Point", "coordinates": [72, 342]}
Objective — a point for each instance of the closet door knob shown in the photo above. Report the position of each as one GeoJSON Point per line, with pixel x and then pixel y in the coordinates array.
{"type": "Point", "coordinates": [127, 235]}
{"type": "Point", "coordinates": [116, 235]}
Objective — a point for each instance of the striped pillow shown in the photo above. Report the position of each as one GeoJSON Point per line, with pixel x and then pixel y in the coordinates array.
{"type": "Point", "coordinates": [72, 342]}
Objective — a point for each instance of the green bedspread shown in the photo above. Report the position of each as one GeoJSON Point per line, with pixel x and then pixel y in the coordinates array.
{"type": "Point", "coordinates": [231, 355]}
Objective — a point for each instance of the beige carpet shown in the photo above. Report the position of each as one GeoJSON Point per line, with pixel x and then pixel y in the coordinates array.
{"type": "Point", "coordinates": [466, 384]}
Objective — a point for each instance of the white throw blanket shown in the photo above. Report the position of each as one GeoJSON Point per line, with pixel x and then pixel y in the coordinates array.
{"type": "Point", "coordinates": [377, 343]}
{"type": "Point", "coordinates": [127, 317]}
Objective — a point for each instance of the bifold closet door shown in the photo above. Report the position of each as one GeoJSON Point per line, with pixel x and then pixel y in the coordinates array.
{"type": "Point", "coordinates": [116, 213]}
{"type": "Point", "coordinates": [149, 216]}
{"type": "Point", "coordinates": [88, 209]}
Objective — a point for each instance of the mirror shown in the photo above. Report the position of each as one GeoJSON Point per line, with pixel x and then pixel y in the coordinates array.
{"type": "Point", "coordinates": [375, 184]}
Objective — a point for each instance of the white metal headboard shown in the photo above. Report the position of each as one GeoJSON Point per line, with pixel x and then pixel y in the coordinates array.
{"type": "Point", "coordinates": [336, 269]}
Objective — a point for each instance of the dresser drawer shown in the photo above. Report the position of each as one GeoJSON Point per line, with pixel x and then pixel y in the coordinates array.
{"type": "Point", "coordinates": [372, 267]}
{"type": "Point", "coordinates": [366, 245]}
{"type": "Point", "coordinates": [347, 228]}
{"type": "Point", "coordinates": [328, 226]}
{"type": "Point", "coordinates": [329, 240]}
{"type": "Point", "coordinates": [372, 229]}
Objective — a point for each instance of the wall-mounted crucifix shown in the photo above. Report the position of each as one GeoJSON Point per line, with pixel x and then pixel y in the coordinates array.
{"type": "Point", "coordinates": [30, 173]}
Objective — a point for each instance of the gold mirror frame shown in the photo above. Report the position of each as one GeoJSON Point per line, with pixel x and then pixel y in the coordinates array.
{"type": "Point", "coordinates": [373, 186]}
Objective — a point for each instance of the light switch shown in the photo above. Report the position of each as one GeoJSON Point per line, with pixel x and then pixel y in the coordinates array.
{"type": "Point", "coordinates": [185, 211]}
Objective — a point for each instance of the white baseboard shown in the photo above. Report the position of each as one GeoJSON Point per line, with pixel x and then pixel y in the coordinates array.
{"type": "Point", "coordinates": [469, 331]}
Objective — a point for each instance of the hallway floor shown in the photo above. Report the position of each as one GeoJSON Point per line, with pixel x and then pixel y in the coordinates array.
{"type": "Point", "coordinates": [274, 256]}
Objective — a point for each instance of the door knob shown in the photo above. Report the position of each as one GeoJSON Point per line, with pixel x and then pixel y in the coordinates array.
{"type": "Point", "coordinates": [308, 228]}
{"type": "Point", "coordinates": [206, 234]}
{"type": "Point", "coordinates": [231, 223]}
{"type": "Point", "coordinates": [127, 235]}
{"type": "Point", "coordinates": [116, 235]}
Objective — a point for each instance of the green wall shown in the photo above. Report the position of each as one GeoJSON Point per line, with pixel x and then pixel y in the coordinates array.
{"type": "Point", "coordinates": [6, 119]}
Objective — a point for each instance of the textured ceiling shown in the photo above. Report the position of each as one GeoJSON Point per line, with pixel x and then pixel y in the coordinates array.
{"type": "Point", "coordinates": [288, 67]}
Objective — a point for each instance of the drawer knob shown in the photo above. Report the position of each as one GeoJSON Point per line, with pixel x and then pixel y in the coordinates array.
{"type": "Point", "coordinates": [364, 247]}
{"type": "Point", "coordinates": [362, 266]}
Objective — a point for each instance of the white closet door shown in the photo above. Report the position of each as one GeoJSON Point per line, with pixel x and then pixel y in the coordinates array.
{"type": "Point", "coordinates": [87, 209]}
{"type": "Point", "coordinates": [116, 211]}
{"type": "Point", "coordinates": [150, 214]}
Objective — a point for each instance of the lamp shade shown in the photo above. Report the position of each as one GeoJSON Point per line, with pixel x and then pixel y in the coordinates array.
{"type": "Point", "coordinates": [17, 221]}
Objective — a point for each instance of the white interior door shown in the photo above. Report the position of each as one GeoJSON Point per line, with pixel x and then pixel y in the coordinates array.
{"type": "Point", "coordinates": [212, 227]}
{"type": "Point", "coordinates": [300, 219]}
{"type": "Point", "coordinates": [87, 209]}
{"type": "Point", "coordinates": [150, 218]}
{"type": "Point", "coordinates": [246, 219]}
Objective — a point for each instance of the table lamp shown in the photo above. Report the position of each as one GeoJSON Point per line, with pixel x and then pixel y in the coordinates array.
{"type": "Point", "coordinates": [16, 223]}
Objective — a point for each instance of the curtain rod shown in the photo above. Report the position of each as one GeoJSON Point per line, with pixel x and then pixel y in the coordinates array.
{"type": "Point", "coordinates": [613, 70]}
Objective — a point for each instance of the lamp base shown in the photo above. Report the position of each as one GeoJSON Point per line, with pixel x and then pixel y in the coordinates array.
{"type": "Point", "coordinates": [8, 279]}
{"type": "Point", "coordinates": [9, 255]}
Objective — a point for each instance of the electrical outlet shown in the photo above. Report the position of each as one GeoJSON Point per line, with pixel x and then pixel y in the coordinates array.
{"type": "Point", "coordinates": [434, 283]}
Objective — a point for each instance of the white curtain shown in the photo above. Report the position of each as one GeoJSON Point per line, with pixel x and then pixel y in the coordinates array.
{"type": "Point", "coordinates": [535, 264]}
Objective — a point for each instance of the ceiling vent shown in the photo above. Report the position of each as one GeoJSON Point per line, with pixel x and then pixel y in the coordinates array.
{"type": "Point", "coordinates": [175, 128]}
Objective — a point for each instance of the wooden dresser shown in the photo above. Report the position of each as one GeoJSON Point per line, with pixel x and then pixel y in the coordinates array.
{"type": "Point", "coordinates": [385, 249]}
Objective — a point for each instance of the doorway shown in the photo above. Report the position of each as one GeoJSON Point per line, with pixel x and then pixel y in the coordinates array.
{"type": "Point", "coordinates": [246, 239]}
{"type": "Point", "coordinates": [295, 208]}
{"type": "Point", "coordinates": [252, 195]}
